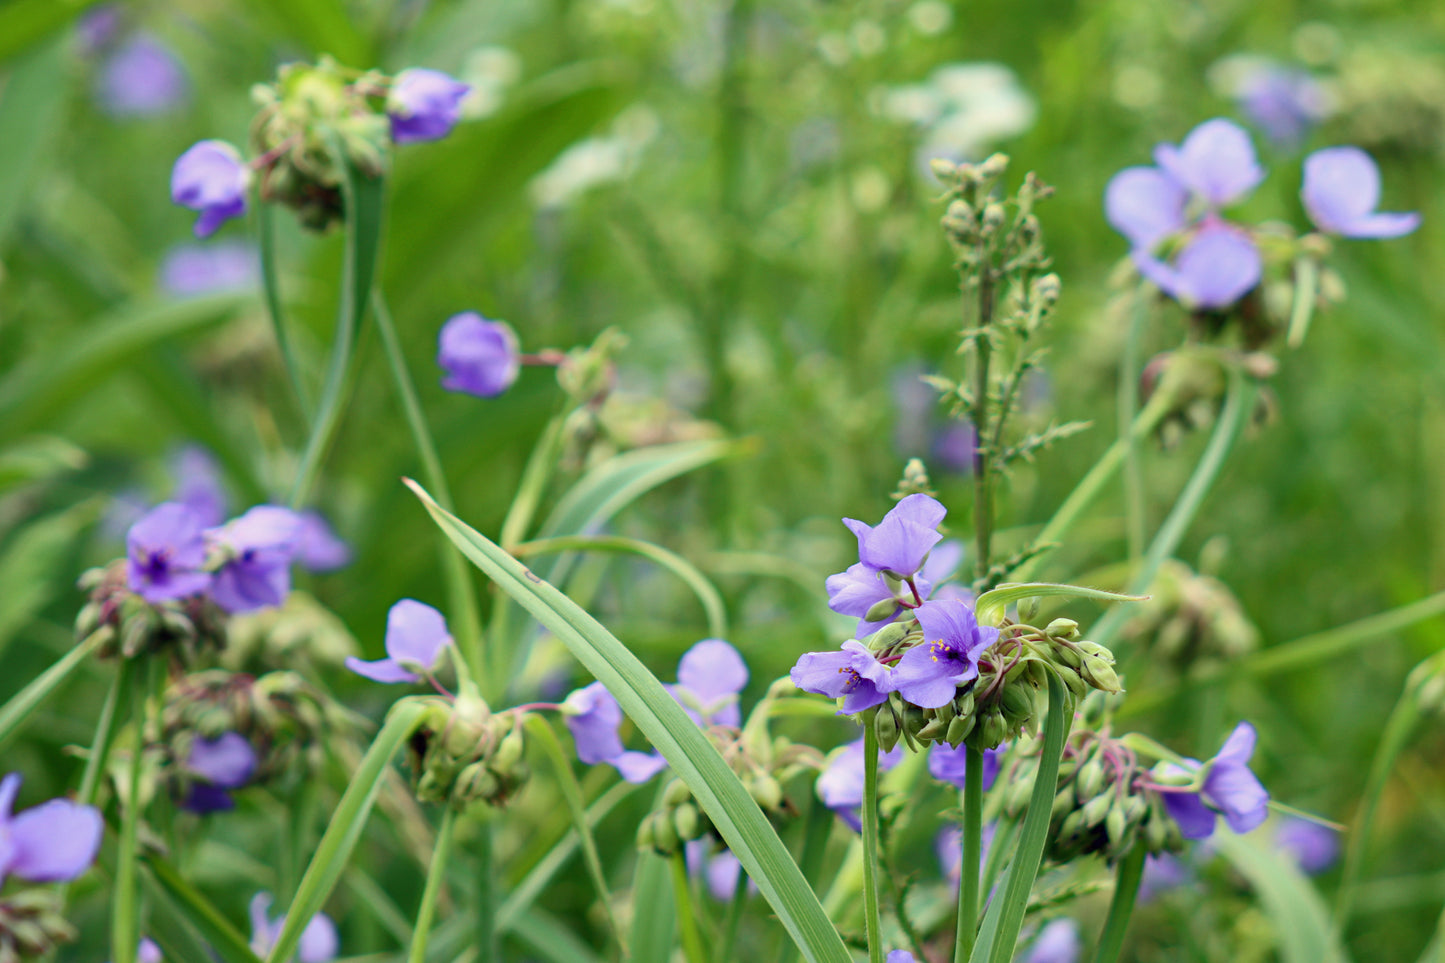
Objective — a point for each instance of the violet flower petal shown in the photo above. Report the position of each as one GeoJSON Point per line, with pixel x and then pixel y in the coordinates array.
{"type": "Point", "coordinates": [1195, 820]}
{"type": "Point", "coordinates": [1145, 205]}
{"type": "Point", "coordinates": [714, 674]}
{"type": "Point", "coordinates": [54, 841]}
{"type": "Point", "coordinates": [480, 357]}
{"type": "Point", "coordinates": [381, 670]}
{"type": "Point", "coordinates": [319, 942]}
{"type": "Point", "coordinates": [638, 767]}
{"type": "Point", "coordinates": [1057, 942]}
{"type": "Point", "coordinates": [318, 549]}
{"type": "Point", "coordinates": [1216, 162]}
{"type": "Point", "coordinates": [1340, 192]}
{"type": "Point", "coordinates": [228, 761]}
{"type": "Point", "coordinates": [211, 178]}
{"type": "Point", "coordinates": [165, 550]}
{"type": "Point", "coordinates": [593, 717]}
{"type": "Point", "coordinates": [424, 105]}
{"type": "Point", "coordinates": [416, 634]}
{"type": "Point", "coordinates": [1218, 266]}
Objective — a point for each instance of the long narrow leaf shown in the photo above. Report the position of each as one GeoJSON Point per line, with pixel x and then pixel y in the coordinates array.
{"type": "Point", "coordinates": [30, 106]}
{"type": "Point", "coordinates": [1301, 920]}
{"type": "Point", "coordinates": [14, 713]}
{"type": "Point", "coordinates": [693, 758]}
{"type": "Point", "coordinates": [654, 915]}
{"type": "Point", "coordinates": [991, 605]}
{"type": "Point", "coordinates": [224, 938]}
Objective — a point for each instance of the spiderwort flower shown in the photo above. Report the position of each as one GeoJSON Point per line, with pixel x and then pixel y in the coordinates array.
{"type": "Point", "coordinates": [1057, 942]}
{"type": "Point", "coordinates": [1228, 786]}
{"type": "Point", "coordinates": [1341, 191]}
{"type": "Point", "coordinates": [194, 269]}
{"type": "Point", "coordinates": [165, 550]}
{"type": "Point", "coordinates": [929, 674]}
{"type": "Point", "coordinates": [148, 952]}
{"type": "Point", "coordinates": [424, 105]}
{"type": "Point", "coordinates": [857, 590]}
{"type": "Point", "coordinates": [901, 542]}
{"type": "Point", "coordinates": [1215, 163]}
{"type": "Point", "coordinates": [840, 785]}
{"type": "Point", "coordinates": [710, 677]}
{"type": "Point", "coordinates": [1282, 101]}
{"type": "Point", "coordinates": [900, 956]}
{"type": "Point", "coordinates": [480, 357]}
{"type": "Point", "coordinates": [319, 943]}
{"type": "Point", "coordinates": [948, 847]}
{"type": "Point", "coordinates": [49, 843]}
{"type": "Point", "coordinates": [97, 27]}
{"type": "Point", "coordinates": [1218, 266]}
{"type": "Point", "coordinates": [853, 674]}
{"type": "Point", "coordinates": [211, 178]}
{"type": "Point", "coordinates": [198, 484]}
{"type": "Point", "coordinates": [721, 869]}
{"type": "Point", "coordinates": [257, 570]}
{"type": "Point", "coordinates": [947, 764]}
{"type": "Point", "coordinates": [140, 78]}
{"type": "Point", "coordinates": [1312, 846]}
{"type": "Point", "coordinates": [593, 717]}
{"type": "Point", "coordinates": [1146, 205]}
{"type": "Point", "coordinates": [221, 764]}
{"type": "Point", "coordinates": [1162, 872]}
{"type": "Point", "coordinates": [416, 635]}
{"type": "Point", "coordinates": [318, 549]}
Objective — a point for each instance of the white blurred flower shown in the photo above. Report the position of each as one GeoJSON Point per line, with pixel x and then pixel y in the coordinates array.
{"type": "Point", "coordinates": [962, 108]}
{"type": "Point", "coordinates": [491, 71]}
{"type": "Point", "coordinates": [930, 17]}
{"type": "Point", "coordinates": [597, 160]}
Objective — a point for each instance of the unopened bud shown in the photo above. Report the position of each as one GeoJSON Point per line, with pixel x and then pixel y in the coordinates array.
{"type": "Point", "coordinates": [994, 166]}
{"type": "Point", "coordinates": [890, 635]}
{"type": "Point", "coordinates": [646, 833]}
{"type": "Point", "coordinates": [1115, 825]}
{"type": "Point", "coordinates": [881, 610]}
{"type": "Point", "coordinates": [888, 731]}
{"type": "Point", "coordinates": [509, 753]}
{"type": "Point", "coordinates": [676, 793]}
{"type": "Point", "coordinates": [1062, 629]}
{"type": "Point", "coordinates": [685, 820]}
{"type": "Point", "coordinates": [1096, 809]}
{"type": "Point", "coordinates": [959, 729]}
{"type": "Point", "coordinates": [766, 792]}
{"type": "Point", "coordinates": [1100, 674]}
{"type": "Point", "coordinates": [1091, 778]}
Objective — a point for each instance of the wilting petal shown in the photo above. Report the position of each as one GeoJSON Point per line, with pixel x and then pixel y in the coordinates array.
{"type": "Point", "coordinates": [1145, 205]}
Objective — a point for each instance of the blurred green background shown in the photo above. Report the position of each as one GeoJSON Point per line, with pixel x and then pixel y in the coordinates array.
{"type": "Point", "coordinates": [742, 191]}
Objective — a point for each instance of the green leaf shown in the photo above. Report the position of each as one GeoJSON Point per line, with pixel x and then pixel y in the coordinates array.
{"type": "Point", "coordinates": [224, 938]}
{"type": "Point", "coordinates": [14, 713]}
{"type": "Point", "coordinates": [345, 828]}
{"type": "Point", "coordinates": [30, 105]}
{"type": "Point", "coordinates": [39, 457]}
{"type": "Point", "coordinates": [1301, 921]}
{"type": "Point", "coordinates": [551, 938]}
{"type": "Point", "coordinates": [30, 565]}
{"type": "Point", "coordinates": [654, 915]}
{"type": "Point", "coordinates": [692, 757]}
{"type": "Point", "coordinates": [991, 605]}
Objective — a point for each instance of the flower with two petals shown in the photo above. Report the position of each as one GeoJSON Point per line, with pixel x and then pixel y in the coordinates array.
{"type": "Point", "coordinates": [1228, 787]}
{"type": "Point", "coordinates": [416, 637]}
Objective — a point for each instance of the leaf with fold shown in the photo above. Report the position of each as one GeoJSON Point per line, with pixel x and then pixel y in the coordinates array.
{"type": "Point", "coordinates": [991, 605]}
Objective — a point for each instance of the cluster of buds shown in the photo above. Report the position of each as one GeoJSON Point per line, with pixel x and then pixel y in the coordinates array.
{"type": "Point", "coordinates": [463, 753]}
{"type": "Point", "coordinates": [982, 227]}
{"type": "Point", "coordinates": [32, 925]}
{"type": "Point", "coordinates": [301, 632]}
{"type": "Point", "coordinates": [1191, 618]}
{"type": "Point", "coordinates": [183, 628]}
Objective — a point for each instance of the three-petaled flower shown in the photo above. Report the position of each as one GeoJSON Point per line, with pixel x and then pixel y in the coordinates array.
{"type": "Point", "coordinates": [929, 674]}
{"type": "Point", "coordinates": [852, 674]}
{"type": "Point", "coordinates": [258, 547]}
{"type": "Point", "coordinates": [1228, 787]}
{"type": "Point", "coordinates": [840, 785]}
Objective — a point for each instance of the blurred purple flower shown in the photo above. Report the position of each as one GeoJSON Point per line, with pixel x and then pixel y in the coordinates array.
{"type": "Point", "coordinates": [194, 269]}
{"type": "Point", "coordinates": [424, 105]}
{"type": "Point", "coordinates": [97, 27]}
{"type": "Point", "coordinates": [930, 673]}
{"type": "Point", "coordinates": [1229, 787]}
{"type": "Point", "coordinates": [720, 869]}
{"type": "Point", "coordinates": [840, 785]}
{"type": "Point", "coordinates": [853, 674]}
{"type": "Point", "coordinates": [257, 571]}
{"type": "Point", "coordinates": [948, 847]}
{"type": "Point", "coordinates": [1162, 872]}
{"type": "Point", "coordinates": [1218, 266]}
{"type": "Point", "coordinates": [1146, 205]}
{"type": "Point", "coordinates": [318, 549]}
{"type": "Point", "coordinates": [900, 543]}
{"type": "Point", "coordinates": [319, 942]}
{"type": "Point", "coordinates": [1341, 191]}
{"type": "Point", "coordinates": [1314, 847]}
{"type": "Point", "coordinates": [198, 484]}
{"type": "Point", "coordinates": [165, 550]}
{"type": "Point", "coordinates": [480, 357]}
{"type": "Point", "coordinates": [1284, 102]}
{"type": "Point", "coordinates": [947, 764]}
{"type": "Point", "coordinates": [148, 952]}
{"type": "Point", "coordinates": [49, 843]}
{"type": "Point", "coordinates": [900, 956]}
{"type": "Point", "coordinates": [954, 447]}
{"type": "Point", "coordinates": [1215, 163]}
{"type": "Point", "coordinates": [1057, 942]}
{"type": "Point", "coordinates": [416, 636]}
{"type": "Point", "coordinates": [140, 78]}
{"type": "Point", "coordinates": [211, 178]}
{"type": "Point", "coordinates": [710, 677]}
{"type": "Point", "coordinates": [222, 764]}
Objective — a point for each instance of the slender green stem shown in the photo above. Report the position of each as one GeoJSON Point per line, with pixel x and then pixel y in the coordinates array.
{"type": "Point", "coordinates": [105, 730]}
{"type": "Point", "coordinates": [1238, 405]}
{"type": "Point", "coordinates": [271, 287]}
{"type": "Point", "coordinates": [1128, 411]}
{"type": "Point", "coordinates": [692, 946]}
{"type": "Point", "coordinates": [967, 926]}
{"type": "Point", "coordinates": [872, 923]}
{"type": "Point", "coordinates": [23, 703]}
{"type": "Point", "coordinates": [488, 946]}
{"type": "Point", "coordinates": [1306, 287]}
{"type": "Point", "coordinates": [734, 918]}
{"type": "Point", "coordinates": [125, 905]}
{"type": "Point", "coordinates": [1121, 907]}
{"type": "Point", "coordinates": [535, 477]}
{"type": "Point", "coordinates": [435, 876]}
{"type": "Point", "coordinates": [461, 597]}
{"type": "Point", "coordinates": [982, 468]}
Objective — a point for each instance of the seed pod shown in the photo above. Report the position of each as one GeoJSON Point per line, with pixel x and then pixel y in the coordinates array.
{"type": "Point", "coordinates": [1066, 654]}
{"type": "Point", "coordinates": [993, 730]}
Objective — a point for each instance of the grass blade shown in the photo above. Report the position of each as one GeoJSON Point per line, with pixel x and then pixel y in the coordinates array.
{"type": "Point", "coordinates": [14, 713]}
{"type": "Point", "coordinates": [224, 938]}
{"type": "Point", "coordinates": [1301, 920]}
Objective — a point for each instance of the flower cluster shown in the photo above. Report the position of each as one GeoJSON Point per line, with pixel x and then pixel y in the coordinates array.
{"type": "Point", "coordinates": [314, 121]}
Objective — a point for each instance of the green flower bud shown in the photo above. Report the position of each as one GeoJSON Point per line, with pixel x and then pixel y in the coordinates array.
{"type": "Point", "coordinates": [1096, 809]}
{"type": "Point", "coordinates": [1091, 778]}
{"type": "Point", "coordinates": [936, 730]}
{"type": "Point", "coordinates": [993, 730]}
{"type": "Point", "coordinates": [766, 792]}
{"type": "Point", "coordinates": [665, 839]}
{"type": "Point", "coordinates": [1100, 674]}
{"type": "Point", "coordinates": [1064, 802]}
{"type": "Point", "coordinates": [685, 821]}
{"type": "Point", "coordinates": [676, 794]}
{"type": "Point", "coordinates": [509, 753]}
{"type": "Point", "coordinates": [1115, 825]}
{"type": "Point", "coordinates": [890, 635]}
{"type": "Point", "coordinates": [1018, 702]}
{"type": "Point", "coordinates": [887, 725]}
{"type": "Point", "coordinates": [881, 610]}
{"type": "Point", "coordinates": [959, 729]}
{"type": "Point", "coordinates": [647, 833]}
{"type": "Point", "coordinates": [1062, 629]}
{"type": "Point", "coordinates": [993, 166]}
{"type": "Point", "coordinates": [1073, 824]}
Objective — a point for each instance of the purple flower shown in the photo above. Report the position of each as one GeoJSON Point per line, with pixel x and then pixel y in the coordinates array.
{"type": "Point", "coordinates": [1341, 191]}
{"type": "Point", "coordinates": [97, 27]}
{"type": "Point", "coordinates": [1145, 205]}
{"type": "Point", "coordinates": [198, 484]}
{"type": "Point", "coordinates": [319, 943]}
{"type": "Point", "coordinates": [194, 269]}
{"type": "Point", "coordinates": [1162, 872]}
{"type": "Point", "coordinates": [857, 590]}
{"type": "Point", "coordinates": [710, 677]}
{"type": "Point", "coordinates": [840, 785]}
{"type": "Point", "coordinates": [1215, 163]}
{"type": "Point", "coordinates": [900, 543]}
{"type": "Point", "coordinates": [1057, 942]}
{"type": "Point", "coordinates": [853, 674]}
{"type": "Point", "coordinates": [720, 869]}
{"type": "Point", "coordinates": [49, 843]}
{"type": "Point", "coordinates": [1314, 847]}
{"type": "Point", "coordinates": [1229, 787]}
{"type": "Point", "coordinates": [211, 178]}
{"type": "Point", "coordinates": [954, 447]}
{"type": "Point", "coordinates": [930, 673]}
{"type": "Point", "coordinates": [257, 570]}
{"type": "Point", "coordinates": [1217, 267]}
{"type": "Point", "coordinates": [221, 764]}
{"type": "Point", "coordinates": [900, 956]}
{"type": "Point", "coordinates": [424, 105]}
{"type": "Point", "coordinates": [948, 847]}
{"type": "Point", "coordinates": [947, 764]}
{"type": "Point", "coordinates": [480, 357]}
{"type": "Point", "coordinates": [140, 78]}
{"type": "Point", "coordinates": [1283, 102]}
{"type": "Point", "coordinates": [165, 551]}
{"type": "Point", "coordinates": [317, 547]}
{"type": "Point", "coordinates": [416, 635]}
{"type": "Point", "coordinates": [148, 952]}
{"type": "Point", "coordinates": [593, 717]}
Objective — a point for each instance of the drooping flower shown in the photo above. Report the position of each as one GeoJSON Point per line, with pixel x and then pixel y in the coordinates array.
{"type": "Point", "coordinates": [1215, 163]}
{"type": "Point", "coordinates": [416, 636]}
{"type": "Point", "coordinates": [140, 78]}
{"type": "Point", "coordinates": [219, 765]}
{"type": "Point", "coordinates": [1057, 942]}
{"type": "Point", "coordinates": [198, 484]}
{"type": "Point", "coordinates": [710, 677]}
{"type": "Point", "coordinates": [840, 785]}
{"type": "Point", "coordinates": [424, 105]}
{"type": "Point", "coordinates": [947, 764]}
{"type": "Point", "coordinates": [318, 549]}
{"type": "Point", "coordinates": [853, 674]}
{"type": "Point", "coordinates": [1218, 266]}
{"type": "Point", "coordinates": [1341, 191]}
{"type": "Point", "coordinates": [165, 550]}
{"type": "Point", "coordinates": [929, 674]}
{"type": "Point", "coordinates": [480, 357]}
{"type": "Point", "coordinates": [194, 269]}
{"type": "Point", "coordinates": [901, 542]}
{"type": "Point", "coordinates": [49, 843]}
{"type": "Point", "coordinates": [257, 571]}
{"type": "Point", "coordinates": [1228, 787]}
{"type": "Point", "coordinates": [211, 178]}
{"type": "Point", "coordinates": [319, 942]}
{"type": "Point", "coordinates": [1312, 846]}
{"type": "Point", "coordinates": [857, 590]}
